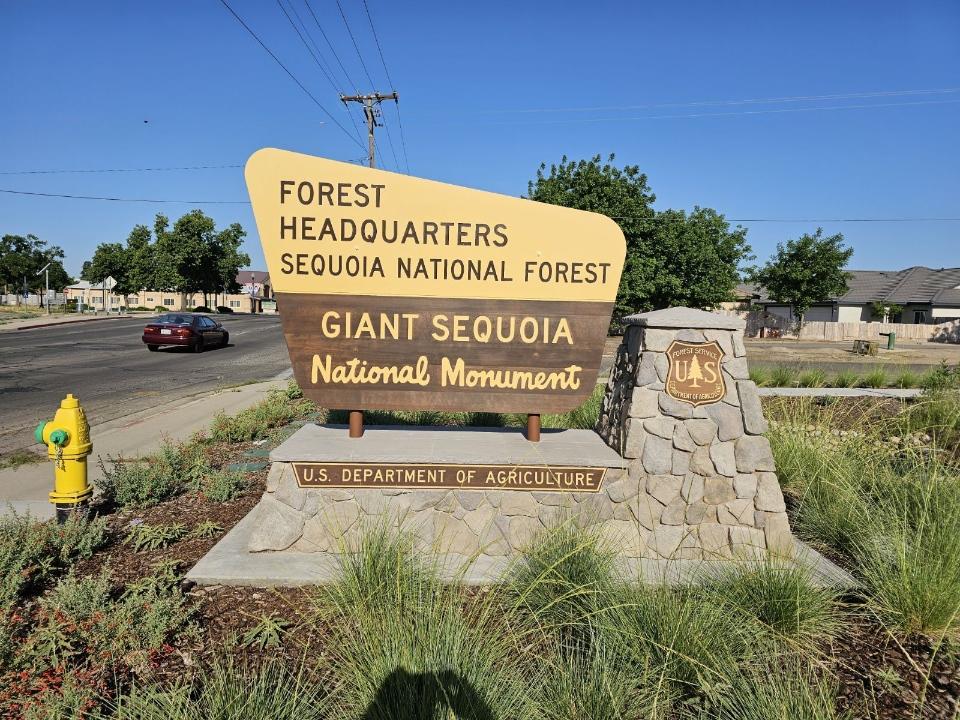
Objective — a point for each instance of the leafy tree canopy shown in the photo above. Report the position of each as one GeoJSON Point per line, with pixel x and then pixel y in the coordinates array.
{"type": "Point", "coordinates": [191, 256]}
{"type": "Point", "coordinates": [23, 256]}
{"type": "Point", "coordinates": [673, 258]}
{"type": "Point", "coordinates": [805, 271]}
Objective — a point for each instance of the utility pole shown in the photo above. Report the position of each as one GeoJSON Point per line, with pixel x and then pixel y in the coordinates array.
{"type": "Point", "coordinates": [370, 110]}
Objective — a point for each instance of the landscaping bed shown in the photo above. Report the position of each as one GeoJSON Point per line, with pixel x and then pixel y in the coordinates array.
{"type": "Point", "coordinates": [98, 621]}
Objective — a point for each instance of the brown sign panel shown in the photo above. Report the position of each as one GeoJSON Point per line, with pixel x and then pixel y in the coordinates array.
{"type": "Point", "coordinates": [694, 372]}
{"type": "Point", "coordinates": [409, 476]}
{"type": "Point", "coordinates": [402, 293]}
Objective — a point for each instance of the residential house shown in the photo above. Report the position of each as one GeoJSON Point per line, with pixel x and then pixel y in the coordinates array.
{"type": "Point", "coordinates": [255, 296]}
{"type": "Point", "coordinates": [925, 296]}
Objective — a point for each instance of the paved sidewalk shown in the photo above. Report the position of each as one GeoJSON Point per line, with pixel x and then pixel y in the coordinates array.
{"type": "Point", "coordinates": [25, 488]}
{"type": "Point", "coordinates": [62, 319]}
{"type": "Point", "coordinates": [899, 393]}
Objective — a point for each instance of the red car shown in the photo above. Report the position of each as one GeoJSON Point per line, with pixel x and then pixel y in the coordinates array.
{"type": "Point", "coordinates": [185, 329]}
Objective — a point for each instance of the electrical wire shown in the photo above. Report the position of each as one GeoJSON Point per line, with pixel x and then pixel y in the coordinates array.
{"type": "Point", "coordinates": [722, 114]}
{"type": "Point", "coordinates": [118, 170]}
{"type": "Point", "coordinates": [336, 55]}
{"type": "Point", "coordinates": [287, 71]}
{"type": "Point", "coordinates": [752, 101]}
{"type": "Point", "coordinates": [614, 217]}
{"type": "Point", "coordinates": [376, 38]}
{"type": "Point", "coordinates": [355, 46]}
{"type": "Point", "coordinates": [316, 59]}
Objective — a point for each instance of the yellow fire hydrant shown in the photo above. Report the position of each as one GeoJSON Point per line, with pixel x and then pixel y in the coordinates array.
{"type": "Point", "coordinates": [67, 438]}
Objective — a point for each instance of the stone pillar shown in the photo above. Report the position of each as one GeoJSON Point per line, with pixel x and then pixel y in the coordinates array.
{"type": "Point", "coordinates": [711, 488]}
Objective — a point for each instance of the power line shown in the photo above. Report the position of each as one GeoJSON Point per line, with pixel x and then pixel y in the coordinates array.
{"type": "Point", "coordinates": [292, 76]}
{"type": "Point", "coordinates": [613, 217]}
{"type": "Point", "coordinates": [119, 170]}
{"type": "Point", "coordinates": [320, 65]}
{"type": "Point", "coordinates": [724, 114]}
{"type": "Point", "coordinates": [752, 101]}
{"type": "Point", "coordinates": [355, 46]}
{"type": "Point", "coordinates": [366, 71]}
{"type": "Point", "coordinates": [330, 45]}
{"type": "Point", "coordinates": [121, 199]}
{"type": "Point", "coordinates": [403, 141]}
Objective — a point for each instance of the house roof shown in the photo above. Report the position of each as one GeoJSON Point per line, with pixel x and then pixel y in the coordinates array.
{"type": "Point", "coordinates": [916, 284]}
{"type": "Point", "coordinates": [257, 277]}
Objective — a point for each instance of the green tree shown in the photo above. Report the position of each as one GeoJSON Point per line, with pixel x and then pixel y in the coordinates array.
{"type": "Point", "coordinates": [21, 259]}
{"type": "Point", "coordinates": [188, 257]}
{"type": "Point", "coordinates": [805, 271]}
{"type": "Point", "coordinates": [672, 258]}
{"type": "Point", "coordinates": [886, 310]}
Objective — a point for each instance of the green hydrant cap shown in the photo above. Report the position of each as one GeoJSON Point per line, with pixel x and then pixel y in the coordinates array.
{"type": "Point", "coordinates": [59, 437]}
{"type": "Point", "coordinates": [38, 433]}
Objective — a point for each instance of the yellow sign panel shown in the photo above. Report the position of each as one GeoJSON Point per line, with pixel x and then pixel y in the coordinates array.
{"type": "Point", "coordinates": [341, 229]}
{"type": "Point", "coordinates": [402, 293]}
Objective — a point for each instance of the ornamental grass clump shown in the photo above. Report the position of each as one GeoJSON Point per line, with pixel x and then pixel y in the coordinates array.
{"type": "Point", "coordinates": [814, 378]}
{"type": "Point", "coordinates": [406, 645]}
{"type": "Point", "coordinates": [844, 379]}
{"type": "Point", "coordinates": [563, 583]}
{"type": "Point", "coordinates": [230, 690]}
{"type": "Point", "coordinates": [876, 378]}
{"type": "Point", "coordinates": [782, 376]}
{"type": "Point", "coordinates": [781, 691]}
{"type": "Point", "coordinates": [781, 597]}
{"type": "Point", "coordinates": [760, 374]}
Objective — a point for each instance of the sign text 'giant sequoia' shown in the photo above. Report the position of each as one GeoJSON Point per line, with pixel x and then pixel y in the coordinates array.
{"type": "Point", "coordinates": [402, 293]}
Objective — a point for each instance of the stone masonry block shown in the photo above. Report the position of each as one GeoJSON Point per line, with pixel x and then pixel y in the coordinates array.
{"type": "Point", "coordinates": [675, 408]}
{"type": "Point", "coordinates": [745, 484]}
{"type": "Point", "coordinates": [702, 430]}
{"type": "Point", "coordinates": [635, 438]}
{"type": "Point", "coordinates": [753, 453]}
{"type": "Point", "coordinates": [769, 496]}
{"type": "Point", "coordinates": [681, 462]}
{"type": "Point", "coordinates": [643, 403]}
{"type": "Point", "coordinates": [647, 510]}
{"type": "Point", "coordinates": [682, 439]}
{"type": "Point", "coordinates": [700, 462]}
{"type": "Point", "coordinates": [723, 340]}
{"type": "Point", "coordinates": [753, 418]}
{"type": "Point", "coordinates": [277, 526]}
{"type": "Point", "coordinates": [718, 490]}
{"type": "Point", "coordinates": [657, 455]}
{"type": "Point", "coordinates": [722, 454]}
{"type": "Point", "coordinates": [739, 350]}
{"type": "Point", "coordinates": [660, 426]}
{"type": "Point", "coordinates": [665, 488]}
{"type": "Point", "coordinates": [658, 340]}
{"type": "Point", "coordinates": [646, 370]}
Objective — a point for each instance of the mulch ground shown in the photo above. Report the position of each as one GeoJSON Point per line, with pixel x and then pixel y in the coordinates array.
{"type": "Point", "coordinates": [879, 678]}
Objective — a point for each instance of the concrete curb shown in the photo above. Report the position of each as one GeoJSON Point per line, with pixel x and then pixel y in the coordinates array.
{"type": "Point", "coordinates": [899, 393]}
{"type": "Point", "coordinates": [71, 322]}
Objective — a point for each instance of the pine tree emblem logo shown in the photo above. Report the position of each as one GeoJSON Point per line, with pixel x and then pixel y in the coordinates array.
{"type": "Point", "coordinates": [695, 375]}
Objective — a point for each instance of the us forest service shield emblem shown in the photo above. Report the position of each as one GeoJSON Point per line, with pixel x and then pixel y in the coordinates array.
{"type": "Point", "coordinates": [694, 373]}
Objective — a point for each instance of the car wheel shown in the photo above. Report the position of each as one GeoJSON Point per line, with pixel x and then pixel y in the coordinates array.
{"type": "Point", "coordinates": [225, 340]}
{"type": "Point", "coordinates": [153, 348]}
{"type": "Point", "coordinates": [198, 345]}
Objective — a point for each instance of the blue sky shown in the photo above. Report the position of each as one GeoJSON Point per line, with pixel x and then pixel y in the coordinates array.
{"type": "Point", "coordinates": [480, 86]}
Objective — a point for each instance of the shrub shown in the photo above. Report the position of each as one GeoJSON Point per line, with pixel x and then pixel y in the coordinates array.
{"type": "Point", "coordinates": [161, 308]}
{"type": "Point", "coordinates": [583, 417]}
{"type": "Point", "coordinates": [815, 378]}
{"type": "Point", "coordinates": [153, 537]}
{"type": "Point", "coordinates": [169, 472]}
{"type": "Point", "coordinates": [224, 310]}
{"type": "Point", "coordinates": [224, 485]}
{"type": "Point", "coordinates": [31, 551]}
{"type": "Point", "coordinates": [201, 309]}
{"type": "Point", "coordinates": [141, 308]}
{"type": "Point", "coordinates": [781, 597]}
{"type": "Point", "coordinates": [943, 377]}
{"type": "Point", "coordinates": [253, 423]}
{"type": "Point", "coordinates": [845, 379]}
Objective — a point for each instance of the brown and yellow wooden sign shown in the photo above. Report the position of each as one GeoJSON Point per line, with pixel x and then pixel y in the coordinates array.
{"type": "Point", "coordinates": [694, 373]}
{"type": "Point", "coordinates": [414, 476]}
{"type": "Point", "coordinates": [402, 293]}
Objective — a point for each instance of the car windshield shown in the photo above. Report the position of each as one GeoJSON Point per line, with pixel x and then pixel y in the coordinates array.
{"type": "Point", "coordinates": [173, 319]}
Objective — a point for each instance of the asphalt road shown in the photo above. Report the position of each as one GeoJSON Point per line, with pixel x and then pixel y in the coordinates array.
{"type": "Point", "coordinates": [108, 367]}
